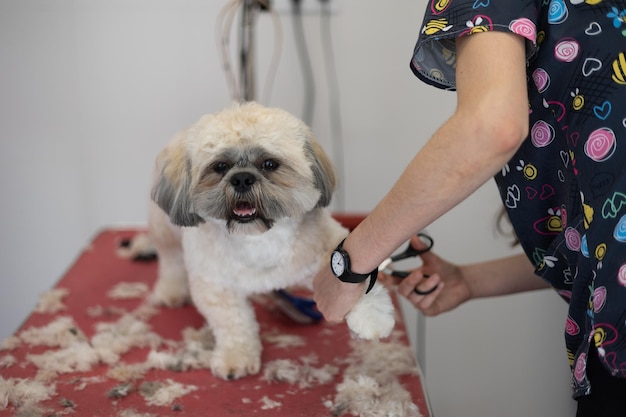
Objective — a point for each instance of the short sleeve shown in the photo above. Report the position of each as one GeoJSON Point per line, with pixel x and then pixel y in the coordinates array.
{"type": "Point", "coordinates": [434, 57]}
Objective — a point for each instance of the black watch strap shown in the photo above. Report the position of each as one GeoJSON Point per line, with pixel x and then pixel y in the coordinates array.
{"type": "Point", "coordinates": [353, 277]}
{"type": "Point", "coordinates": [373, 276]}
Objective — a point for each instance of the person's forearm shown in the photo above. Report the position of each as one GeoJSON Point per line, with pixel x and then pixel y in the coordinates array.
{"type": "Point", "coordinates": [490, 123]}
{"type": "Point", "coordinates": [418, 198]}
{"type": "Point", "coordinates": [488, 126]}
{"type": "Point", "coordinates": [501, 277]}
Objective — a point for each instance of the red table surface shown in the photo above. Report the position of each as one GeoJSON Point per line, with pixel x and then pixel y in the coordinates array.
{"type": "Point", "coordinates": [98, 269]}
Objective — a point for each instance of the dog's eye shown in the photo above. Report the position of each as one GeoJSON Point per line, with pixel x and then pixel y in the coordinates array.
{"type": "Point", "coordinates": [270, 165]}
{"type": "Point", "coordinates": [221, 167]}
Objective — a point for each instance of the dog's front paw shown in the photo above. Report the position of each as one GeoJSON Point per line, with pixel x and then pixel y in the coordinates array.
{"type": "Point", "coordinates": [373, 316]}
{"type": "Point", "coordinates": [235, 362]}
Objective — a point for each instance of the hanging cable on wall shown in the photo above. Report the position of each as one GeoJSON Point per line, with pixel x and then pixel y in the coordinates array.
{"type": "Point", "coordinates": [334, 102]}
{"type": "Point", "coordinates": [305, 62]}
{"type": "Point", "coordinates": [276, 55]}
{"type": "Point", "coordinates": [223, 30]}
{"type": "Point", "coordinates": [246, 50]}
{"type": "Point", "coordinates": [243, 86]}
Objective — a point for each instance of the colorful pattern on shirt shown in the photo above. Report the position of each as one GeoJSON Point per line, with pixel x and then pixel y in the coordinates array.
{"type": "Point", "coordinates": [565, 188]}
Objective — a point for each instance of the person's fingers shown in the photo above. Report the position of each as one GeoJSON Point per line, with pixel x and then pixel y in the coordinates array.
{"type": "Point", "coordinates": [423, 292]}
{"type": "Point", "coordinates": [428, 304]}
{"type": "Point", "coordinates": [427, 285]}
{"type": "Point", "coordinates": [388, 280]}
{"type": "Point", "coordinates": [418, 282]}
{"type": "Point", "coordinates": [420, 245]}
{"type": "Point", "coordinates": [417, 290]}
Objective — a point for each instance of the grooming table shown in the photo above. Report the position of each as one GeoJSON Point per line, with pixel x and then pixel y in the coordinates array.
{"type": "Point", "coordinates": [317, 367]}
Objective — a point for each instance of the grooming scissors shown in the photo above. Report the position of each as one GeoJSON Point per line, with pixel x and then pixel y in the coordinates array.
{"type": "Point", "coordinates": [409, 252]}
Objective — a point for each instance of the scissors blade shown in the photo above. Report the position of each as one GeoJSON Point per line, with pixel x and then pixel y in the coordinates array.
{"type": "Point", "coordinates": [384, 264]}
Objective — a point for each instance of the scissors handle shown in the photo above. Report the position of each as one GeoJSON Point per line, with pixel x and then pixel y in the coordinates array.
{"type": "Point", "coordinates": [404, 274]}
{"type": "Point", "coordinates": [411, 252]}
{"type": "Point", "coordinates": [400, 274]}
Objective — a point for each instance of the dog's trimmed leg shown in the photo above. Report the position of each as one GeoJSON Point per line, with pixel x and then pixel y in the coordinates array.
{"type": "Point", "coordinates": [237, 351]}
{"type": "Point", "coordinates": [171, 288]}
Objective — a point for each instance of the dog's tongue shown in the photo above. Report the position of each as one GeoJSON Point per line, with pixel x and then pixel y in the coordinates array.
{"type": "Point", "coordinates": [244, 209]}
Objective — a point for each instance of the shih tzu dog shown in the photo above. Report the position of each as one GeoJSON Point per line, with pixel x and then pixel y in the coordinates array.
{"type": "Point", "coordinates": [240, 208]}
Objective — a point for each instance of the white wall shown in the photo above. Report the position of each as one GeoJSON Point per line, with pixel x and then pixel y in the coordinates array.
{"type": "Point", "coordinates": [90, 90]}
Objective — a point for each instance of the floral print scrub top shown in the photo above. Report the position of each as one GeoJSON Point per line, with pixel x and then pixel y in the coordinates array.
{"type": "Point", "coordinates": [565, 188]}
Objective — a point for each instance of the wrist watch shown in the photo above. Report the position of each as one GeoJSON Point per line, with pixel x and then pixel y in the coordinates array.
{"type": "Point", "coordinates": [340, 265]}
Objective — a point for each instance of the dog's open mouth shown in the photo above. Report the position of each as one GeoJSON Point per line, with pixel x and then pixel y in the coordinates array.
{"type": "Point", "coordinates": [244, 211]}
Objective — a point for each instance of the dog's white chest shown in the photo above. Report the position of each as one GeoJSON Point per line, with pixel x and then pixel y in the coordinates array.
{"type": "Point", "coordinates": [248, 263]}
{"type": "Point", "coordinates": [259, 252]}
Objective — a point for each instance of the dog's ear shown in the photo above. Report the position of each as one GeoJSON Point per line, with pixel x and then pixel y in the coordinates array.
{"type": "Point", "coordinates": [172, 184]}
{"type": "Point", "coordinates": [323, 171]}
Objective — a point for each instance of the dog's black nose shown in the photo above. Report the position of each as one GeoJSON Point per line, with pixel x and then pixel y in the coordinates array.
{"type": "Point", "coordinates": [242, 181]}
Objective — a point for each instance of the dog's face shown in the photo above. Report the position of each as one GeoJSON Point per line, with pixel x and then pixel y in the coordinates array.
{"type": "Point", "coordinates": [246, 166]}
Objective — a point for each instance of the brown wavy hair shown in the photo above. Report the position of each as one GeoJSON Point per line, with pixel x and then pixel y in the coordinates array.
{"type": "Point", "coordinates": [502, 219]}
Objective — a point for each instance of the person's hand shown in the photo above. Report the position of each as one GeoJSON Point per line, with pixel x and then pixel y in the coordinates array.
{"type": "Point", "coordinates": [452, 288]}
{"type": "Point", "coordinates": [334, 298]}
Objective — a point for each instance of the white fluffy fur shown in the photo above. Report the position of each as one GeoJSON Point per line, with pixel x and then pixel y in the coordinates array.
{"type": "Point", "coordinates": [219, 262]}
{"type": "Point", "coordinates": [372, 318]}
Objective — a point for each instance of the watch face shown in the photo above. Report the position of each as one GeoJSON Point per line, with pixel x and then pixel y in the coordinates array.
{"type": "Point", "coordinates": [337, 263]}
